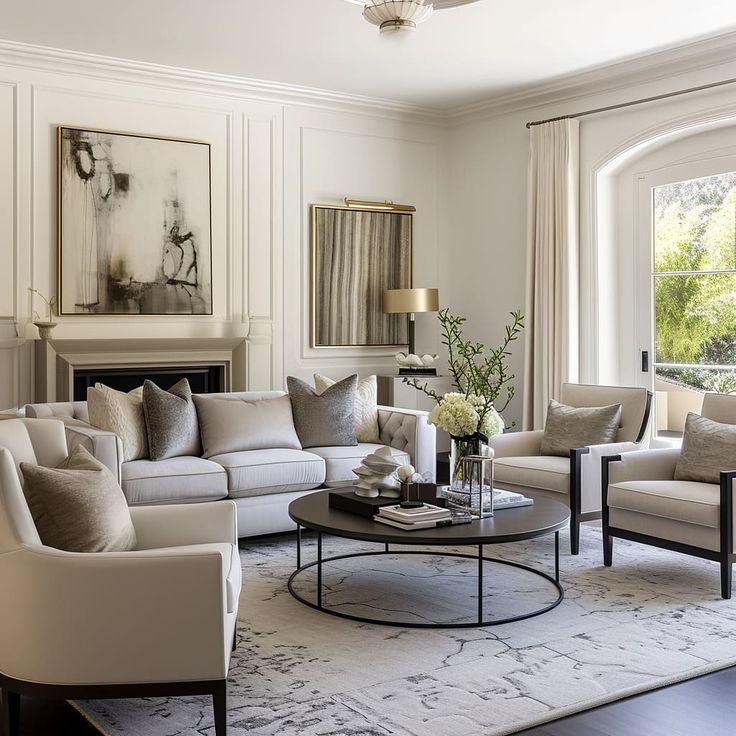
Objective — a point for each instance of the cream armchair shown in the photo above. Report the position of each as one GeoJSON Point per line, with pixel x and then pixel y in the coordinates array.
{"type": "Point", "coordinates": [520, 466]}
{"type": "Point", "coordinates": [156, 621]}
{"type": "Point", "coordinates": [643, 503]}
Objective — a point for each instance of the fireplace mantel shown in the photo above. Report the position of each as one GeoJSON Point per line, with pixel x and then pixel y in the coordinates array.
{"type": "Point", "coordinates": [55, 360]}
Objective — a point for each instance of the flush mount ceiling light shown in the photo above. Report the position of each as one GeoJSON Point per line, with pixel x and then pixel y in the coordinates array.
{"type": "Point", "coordinates": [392, 16]}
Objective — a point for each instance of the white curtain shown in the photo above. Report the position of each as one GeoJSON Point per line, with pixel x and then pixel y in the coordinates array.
{"type": "Point", "coordinates": [551, 355]}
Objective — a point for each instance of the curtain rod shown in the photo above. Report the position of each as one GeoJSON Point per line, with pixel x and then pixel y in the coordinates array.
{"type": "Point", "coordinates": [620, 105]}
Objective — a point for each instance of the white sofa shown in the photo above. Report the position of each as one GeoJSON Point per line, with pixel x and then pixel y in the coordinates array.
{"type": "Point", "coordinates": [261, 482]}
{"type": "Point", "coordinates": [158, 620]}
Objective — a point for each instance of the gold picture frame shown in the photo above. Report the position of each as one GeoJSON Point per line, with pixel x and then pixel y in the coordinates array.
{"type": "Point", "coordinates": [357, 252]}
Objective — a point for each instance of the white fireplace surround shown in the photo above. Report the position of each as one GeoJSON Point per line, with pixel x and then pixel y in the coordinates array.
{"type": "Point", "coordinates": [56, 360]}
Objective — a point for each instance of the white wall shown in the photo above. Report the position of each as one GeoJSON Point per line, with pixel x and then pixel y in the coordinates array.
{"type": "Point", "coordinates": [271, 158]}
{"type": "Point", "coordinates": [486, 195]}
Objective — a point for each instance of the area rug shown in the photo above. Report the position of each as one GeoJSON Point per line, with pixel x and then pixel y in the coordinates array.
{"type": "Point", "coordinates": [652, 619]}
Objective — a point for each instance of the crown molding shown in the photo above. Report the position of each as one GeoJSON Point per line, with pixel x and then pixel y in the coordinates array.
{"type": "Point", "coordinates": [702, 53]}
{"type": "Point", "coordinates": [45, 58]}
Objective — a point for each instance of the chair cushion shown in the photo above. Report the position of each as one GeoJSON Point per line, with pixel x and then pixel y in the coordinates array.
{"type": "Point", "coordinates": [547, 472]}
{"type": "Point", "coordinates": [708, 447]}
{"type": "Point", "coordinates": [569, 427]}
{"type": "Point", "coordinates": [340, 461]}
{"type": "Point", "coordinates": [259, 472]}
{"type": "Point", "coordinates": [78, 506]}
{"type": "Point", "coordinates": [680, 500]}
{"type": "Point", "coordinates": [174, 480]}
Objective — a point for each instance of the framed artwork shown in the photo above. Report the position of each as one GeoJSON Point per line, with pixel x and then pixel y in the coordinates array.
{"type": "Point", "coordinates": [134, 229]}
{"type": "Point", "coordinates": [356, 255]}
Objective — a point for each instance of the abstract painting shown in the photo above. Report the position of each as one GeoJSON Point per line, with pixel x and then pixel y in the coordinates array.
{"type": "Point", "coordinates": [356, 255]}
{"type": "Point", "coordinates": [134, 224]}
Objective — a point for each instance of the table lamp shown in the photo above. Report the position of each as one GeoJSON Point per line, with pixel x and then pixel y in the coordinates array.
{"type": "Point", "coordinates": [411, 302]}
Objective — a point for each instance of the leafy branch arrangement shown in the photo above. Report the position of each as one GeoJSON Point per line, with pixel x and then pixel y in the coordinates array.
{"type": "Point", "coordinates": [50, 305]}
{"type": "Point", "coordinates": [480, 374]}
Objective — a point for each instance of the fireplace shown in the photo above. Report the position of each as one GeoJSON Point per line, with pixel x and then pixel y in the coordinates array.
{"type": "Point", "coordinates": [203, 379]}
{"type": "Point", "coordinates": [64, 369]}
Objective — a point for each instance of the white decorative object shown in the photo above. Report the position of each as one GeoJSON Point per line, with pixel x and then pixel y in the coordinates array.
{"type": "Point", "coordinates": [392, 16]}
{"type": "Point", "coordinates": [410, 360]}
{"type": "Point", "coordinates": [405, 473]}
{"type": "Point", "coordinates": [377, 475]}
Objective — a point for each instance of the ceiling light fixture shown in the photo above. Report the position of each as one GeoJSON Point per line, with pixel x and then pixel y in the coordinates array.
{"type": "Point", "coordinates": [393, 16]}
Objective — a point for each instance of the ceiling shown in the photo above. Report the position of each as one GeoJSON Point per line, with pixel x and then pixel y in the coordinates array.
{"type": "Point", "coordinates": [459, 56]}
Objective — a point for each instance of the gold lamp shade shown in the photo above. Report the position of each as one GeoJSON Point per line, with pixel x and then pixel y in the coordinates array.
{"type": "Point", "coordinates": [409, 301]}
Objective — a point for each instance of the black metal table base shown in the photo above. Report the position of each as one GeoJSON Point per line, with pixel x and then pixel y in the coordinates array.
{"type": "Point", "coordinates": [479, 621]}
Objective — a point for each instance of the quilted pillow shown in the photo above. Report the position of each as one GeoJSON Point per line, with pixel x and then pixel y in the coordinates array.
{"type": "Point", "coordinates": [569, 427]}
{"type": "Point", "coordinates": [366, 406]}
{"type": "Point", "coordinates": [121, 413]}
{"type": "Point", "coordinates": [708, 447]}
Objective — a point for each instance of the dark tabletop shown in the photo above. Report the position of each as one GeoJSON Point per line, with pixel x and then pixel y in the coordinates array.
{"type": "Point", "coordinates": [508, 525]}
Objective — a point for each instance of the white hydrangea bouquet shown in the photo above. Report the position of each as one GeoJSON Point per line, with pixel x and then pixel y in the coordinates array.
{"type": "Point", "coordinates": [482, 378]}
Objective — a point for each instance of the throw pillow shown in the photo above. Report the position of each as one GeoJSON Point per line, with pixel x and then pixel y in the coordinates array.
{"type": "Point", "coordinates": [230, 424]}
{"type": "Point", "coordinates": [171, 420]}
{"type": "Point", "coordinates": [121, 413]}
{"type": "Point", "coordinates": [78, 506]}
{"type": "Point", "coordinates": [569, 427]}
{"type": "Point", "coordinates": [326, 419]}
{"type": "Point", "coordinates": [708, 447]}
{"type": "Point", "coordinates": [366, 406]}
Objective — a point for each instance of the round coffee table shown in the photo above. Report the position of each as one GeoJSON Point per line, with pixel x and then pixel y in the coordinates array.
{"type": "Point", "coordinates": [508, 525]}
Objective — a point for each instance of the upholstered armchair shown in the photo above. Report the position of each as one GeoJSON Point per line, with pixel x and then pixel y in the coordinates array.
{"type": "Point", "coordinates": [156, 621]}
{"type": "Point", "coordinates": [575, 480]}
{"type": "Point", "coordinates": [643, 502]}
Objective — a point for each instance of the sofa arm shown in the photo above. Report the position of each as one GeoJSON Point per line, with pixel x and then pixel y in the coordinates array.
{"type": "Point", "coordinates": [158, 616]}
{"type": "Point", "coordinates": [185, 524]}
{"type": "Point", "coordinates": [105, 446]}
{"type": "Point", "coordinates": [410, 431]}
{"type": "Point", "coordinates": [644, 465]}
{"type": "Point", "coordinates": [517, 444]}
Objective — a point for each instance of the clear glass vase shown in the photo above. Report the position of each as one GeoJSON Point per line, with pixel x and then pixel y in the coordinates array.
{"type": "Point", "coordinates": [460, 448]}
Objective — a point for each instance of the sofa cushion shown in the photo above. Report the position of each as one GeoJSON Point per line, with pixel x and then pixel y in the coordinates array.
{"type": "Point", "coordinates": [546, 472]}
{"type": "Point", "coordinates": [259, 472]}
{"type": "Point", "coordinates": [121, 413]}
{"type": "Point", "coordinates": [708, 447]}
{"type": "Point", "coordinates": [569, 427]}
{"type": "Point", "coordinates": [679, 500]}
{"type": "Point", "coordinates": [326, 418]}
{"type": "Point", "coordinates": [171, 420]}
{"type": "Point", "coordinates": [174, 480]}
{"type": "Point", "coordinates": [231, 424]}
{"type": "Point", "coordinates": [340, 461]}
{"type": "Point", "coordinates": [366, 405]}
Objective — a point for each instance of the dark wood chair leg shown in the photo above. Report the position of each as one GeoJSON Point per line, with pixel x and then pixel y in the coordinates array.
{"type": "Point", "coordinates": [219, 703]}
{"type": "Point", "coordinates": [574, 536]}
{"type": "Point", "coordinates": [726, 530]}
{"type": "Point", "coordinates": [11, 713]}
{"type": "Point", "coordinates": [726, 579]}
{"type": "Point", "coordinates": [607, 549]}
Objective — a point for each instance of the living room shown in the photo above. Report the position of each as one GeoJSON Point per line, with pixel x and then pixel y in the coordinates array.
{"type": "Point", "coordinates": [268, 199]}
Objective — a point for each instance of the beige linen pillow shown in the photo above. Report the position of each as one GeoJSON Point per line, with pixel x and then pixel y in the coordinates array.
{"type": "Point", "coordinates": [569, 427]}
{"type": "Point", "coordinates": [708, 447]}
{"type": "Point", "coordinates": [366, 406]}
{"type": "Point", "coordinates": [230, 424]}
{"type": "Point", "coordinates": [78, 506]}
{"type": "Point", "coordinates": [121, 413]}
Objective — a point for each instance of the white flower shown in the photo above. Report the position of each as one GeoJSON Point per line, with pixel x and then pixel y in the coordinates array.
{"type": "Point", "coordinates": [493, 423]}
{"type": "Point", "coordinates": [456, 414]}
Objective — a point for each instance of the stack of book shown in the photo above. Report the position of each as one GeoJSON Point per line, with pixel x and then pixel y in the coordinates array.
{"type": "Point", "coordinates": [421, 517]}
{"type": "Point", "coordinates": [509, 500]}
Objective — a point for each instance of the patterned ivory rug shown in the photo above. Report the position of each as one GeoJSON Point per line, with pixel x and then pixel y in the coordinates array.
{"type": "Point", "coordinates": [652, 619]}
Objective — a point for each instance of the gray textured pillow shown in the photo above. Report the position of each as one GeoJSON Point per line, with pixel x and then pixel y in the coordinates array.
{"type": "Point", "coordinates": [569, 427]}
{"type": "Point", "coordinates": [326, 419]}
{"type": "Point", "coordinates": [171, 420]}
{"type": "Point", "coordinates": [230, 424]}
{"type": "Point", "coordinates": [79, 506]}
{"type": "Point", "coordinates": [708, 447]}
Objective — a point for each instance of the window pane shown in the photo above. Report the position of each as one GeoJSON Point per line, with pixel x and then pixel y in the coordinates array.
{"type": "Point", "coordinates": [695, 224]}
{"type": "Point", "coordinates": [695, 319]}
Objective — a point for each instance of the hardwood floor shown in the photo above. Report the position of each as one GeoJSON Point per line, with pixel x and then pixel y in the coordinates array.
{"type": "Point", "coordinates": [702, 706]}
